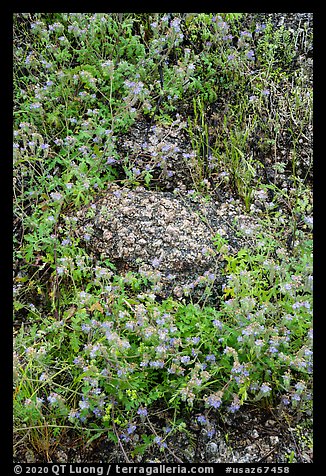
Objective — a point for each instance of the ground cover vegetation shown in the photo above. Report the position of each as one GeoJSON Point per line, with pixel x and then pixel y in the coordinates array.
{"type": "Point", "coordinates": [96, 355]}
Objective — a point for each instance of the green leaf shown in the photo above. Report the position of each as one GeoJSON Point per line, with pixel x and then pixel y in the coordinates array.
{"type": "Point", "coordinates": [18, 305]}
{"type": "Point", "coordinates": [94, 437]}
{"type": "Point", "coordinates": [75, 343]}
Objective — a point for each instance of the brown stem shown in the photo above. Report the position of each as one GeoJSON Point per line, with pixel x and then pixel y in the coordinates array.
{"type": "Point", "coordinates": [119, 441]}
{"type": "Point", "coordinates": [170, 451]}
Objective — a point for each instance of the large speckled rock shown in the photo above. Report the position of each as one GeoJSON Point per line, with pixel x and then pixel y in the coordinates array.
{"type": "Point", "coordinates": [168, 237]}
{"type": "Point", "coordinates": [149, 231]}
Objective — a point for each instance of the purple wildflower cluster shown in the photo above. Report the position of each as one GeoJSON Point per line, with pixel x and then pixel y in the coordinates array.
{"type": "Point", "coordinates": [116, 336]}
{"type": "Point", "coordinates": [214, 400]}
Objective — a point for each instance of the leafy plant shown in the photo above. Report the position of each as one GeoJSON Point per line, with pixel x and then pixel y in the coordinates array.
{"type": "Point", "coordinates": [96, 353]}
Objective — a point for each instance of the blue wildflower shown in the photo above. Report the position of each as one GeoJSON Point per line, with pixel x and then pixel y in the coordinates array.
{"type": "Point", "coordinates": [142, 411]}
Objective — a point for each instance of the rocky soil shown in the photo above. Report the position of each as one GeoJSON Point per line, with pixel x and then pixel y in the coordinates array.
{"type": "Point", "coordinates": [249, 436]}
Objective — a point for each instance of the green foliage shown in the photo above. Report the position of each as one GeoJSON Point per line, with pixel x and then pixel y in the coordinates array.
{"type": "Point", "coordinates": [95, 351]}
